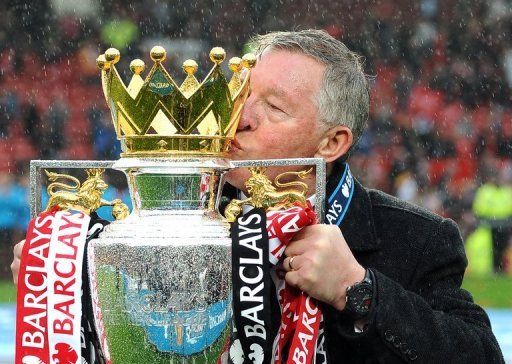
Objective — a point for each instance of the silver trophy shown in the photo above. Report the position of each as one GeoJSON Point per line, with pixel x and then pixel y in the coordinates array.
{"type": "Point", "coordinates": [161, 275]}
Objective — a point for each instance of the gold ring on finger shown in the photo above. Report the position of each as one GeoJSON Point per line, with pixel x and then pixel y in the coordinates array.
{"type": "Point", "coordinates": [290, 262]}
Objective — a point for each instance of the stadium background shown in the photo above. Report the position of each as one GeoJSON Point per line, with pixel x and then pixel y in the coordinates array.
{"type": "Point", "coordinates": [441, 111]}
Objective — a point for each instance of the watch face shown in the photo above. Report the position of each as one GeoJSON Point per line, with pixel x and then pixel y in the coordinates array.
{"type": "Point", "coordinates": [360, 298]}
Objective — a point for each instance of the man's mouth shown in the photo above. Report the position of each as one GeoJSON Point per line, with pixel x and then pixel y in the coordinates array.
{"type": "Point", "coordinates": [234, 146]}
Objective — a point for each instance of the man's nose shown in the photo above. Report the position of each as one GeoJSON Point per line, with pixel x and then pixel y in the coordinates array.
{"type": "Point", "coordinates": [244, 123]}
{"type": "Point", "coordinates": [247, 120]}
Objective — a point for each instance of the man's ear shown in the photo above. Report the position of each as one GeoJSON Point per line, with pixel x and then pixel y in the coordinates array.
{"type": "Point", "coordinates": [335, 143]}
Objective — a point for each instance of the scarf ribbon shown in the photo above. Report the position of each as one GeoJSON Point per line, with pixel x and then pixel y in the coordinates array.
{"type": "Point", "coordinates": [300, 337]}
{"type": "Point", "coordinates": [49, 298]}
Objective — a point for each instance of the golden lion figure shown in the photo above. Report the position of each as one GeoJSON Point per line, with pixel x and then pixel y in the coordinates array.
{"type": "Point", "coordinates": [264, 195]}
{"type": "Point", "coordinates": [84, 197]}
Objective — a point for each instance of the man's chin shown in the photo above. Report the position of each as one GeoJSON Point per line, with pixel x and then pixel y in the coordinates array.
{"type": "Point", "coordinates": [236, 154]}
{"type": "Point", "coordinates": [237, 177]}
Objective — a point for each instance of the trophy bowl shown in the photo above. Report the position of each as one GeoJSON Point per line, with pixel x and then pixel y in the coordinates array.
{"type": "Point", "coordinates": [162, 276]}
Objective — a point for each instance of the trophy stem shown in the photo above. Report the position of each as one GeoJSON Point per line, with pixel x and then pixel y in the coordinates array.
{"type": "Point", "coordinates": [166, 184]}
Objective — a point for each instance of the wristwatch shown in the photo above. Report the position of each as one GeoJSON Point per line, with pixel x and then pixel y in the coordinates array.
{"type": "Point", "coordinates": [359, 297]}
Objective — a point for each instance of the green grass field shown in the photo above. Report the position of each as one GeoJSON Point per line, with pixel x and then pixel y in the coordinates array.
{"type": "Point", "coordinates": [7, 292]}
{"type": "Point", "coordinates": [494, 291]}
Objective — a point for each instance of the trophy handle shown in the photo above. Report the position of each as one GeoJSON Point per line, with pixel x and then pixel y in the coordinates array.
{"type": "Point", "coordinates": [65, 201]}
{"type": "Point", "coordinates": [320, 176]}
{"type": "Point", "coordinates": [68, 193]}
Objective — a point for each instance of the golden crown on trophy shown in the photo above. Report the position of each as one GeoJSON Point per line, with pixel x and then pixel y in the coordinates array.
{"type": "Point", "coordinates": [155, 117]}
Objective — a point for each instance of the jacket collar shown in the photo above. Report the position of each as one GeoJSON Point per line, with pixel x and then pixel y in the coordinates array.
{"type": "Point", "coordinates": [357, 226]}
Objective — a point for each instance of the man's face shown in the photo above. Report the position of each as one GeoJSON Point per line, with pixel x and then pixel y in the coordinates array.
{"type": "Point", "coordinates": [280, 117]}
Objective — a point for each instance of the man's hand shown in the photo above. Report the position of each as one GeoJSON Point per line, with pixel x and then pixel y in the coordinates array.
{"type": "Point", "coordinates": [15, 265]}
{"type": "Point", "coordinates": [323, 265]}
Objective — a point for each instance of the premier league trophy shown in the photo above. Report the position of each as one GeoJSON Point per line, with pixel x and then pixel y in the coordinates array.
{"type": "Point", "coordinates": [160, 276]}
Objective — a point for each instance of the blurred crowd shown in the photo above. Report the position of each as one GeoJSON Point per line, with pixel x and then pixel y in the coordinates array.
{"type": "Point", "coordinates": [441, 74]}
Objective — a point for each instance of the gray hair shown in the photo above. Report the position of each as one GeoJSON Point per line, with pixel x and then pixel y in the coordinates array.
{"type": "Point", "coordinates": [343, 98]}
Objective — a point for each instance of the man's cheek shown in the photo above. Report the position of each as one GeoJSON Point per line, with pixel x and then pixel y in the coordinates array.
{"type": "Point", "coordinates": [277, 145]}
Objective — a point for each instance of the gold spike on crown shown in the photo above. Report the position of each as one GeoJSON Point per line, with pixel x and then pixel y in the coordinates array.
{"type": "Point", "coordinates": [156, 117]}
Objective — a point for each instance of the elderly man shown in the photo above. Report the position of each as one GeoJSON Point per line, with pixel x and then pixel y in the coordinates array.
{"type": "Point", "coordinates": [387, 273]}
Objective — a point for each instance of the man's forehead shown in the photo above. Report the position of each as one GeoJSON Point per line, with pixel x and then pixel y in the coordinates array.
{"type": "Point", "coordinates": [285, 70]}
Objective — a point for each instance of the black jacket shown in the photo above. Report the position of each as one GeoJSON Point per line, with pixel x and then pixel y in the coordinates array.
{"type": "Point", "coordinates": [420, 313]}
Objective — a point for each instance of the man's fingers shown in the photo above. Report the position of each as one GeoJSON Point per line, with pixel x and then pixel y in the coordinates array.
{"type": "Point", "coordinates": [296, 247]}
{"type": "Point", "coordinates": [286, 264]}
{"type": "Point", "coordinates": [309, 237]}
{"type": "Point", "coordinates": [18, 248]}
{"type": "Point", "coordinates": [293, 279]}
{"type": "Point", "coordinates": [298, 280]}
{"type": "Point", "coordinates": [15, 265]}
{"type": "Point", "coordinates": [14, 269]}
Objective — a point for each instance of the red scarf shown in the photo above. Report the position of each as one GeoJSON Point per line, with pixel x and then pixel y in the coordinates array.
{"type": "Point", "coordinates": [49, 289]}
{"type": "Point", "coordinates": [300, 314]}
